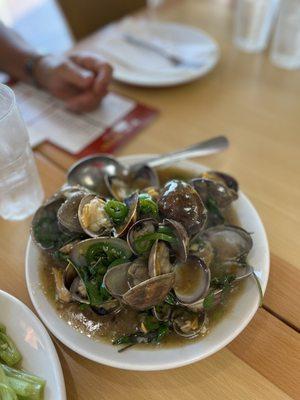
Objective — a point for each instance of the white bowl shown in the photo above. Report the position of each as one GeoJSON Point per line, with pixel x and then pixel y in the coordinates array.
{"type": "Point", "coordinates": [34, 343]}
{"type": "Point", "coordinates": [163, 358]}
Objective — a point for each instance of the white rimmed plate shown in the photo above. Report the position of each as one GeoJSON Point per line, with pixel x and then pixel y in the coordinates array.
{"type": "Point", "coordinates": [163, 358]}
{"type": "Point", "coordinates": [142, 67]}
{"type": "Point", "coordinates": [34, 343]}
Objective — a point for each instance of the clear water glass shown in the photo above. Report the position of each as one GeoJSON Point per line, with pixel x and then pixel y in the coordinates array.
{"type": "Point", "coordinates": [254, 20]}
{"type": "Point", "coordinates": [285, 51]}
{"type": "Point", "coordinates": [21, 192]}
{"type": "Point", "coordinates": [152, 6]}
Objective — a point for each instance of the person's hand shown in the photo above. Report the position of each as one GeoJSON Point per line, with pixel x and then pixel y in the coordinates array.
{"type": "Point", "coordinates": [80, 80]}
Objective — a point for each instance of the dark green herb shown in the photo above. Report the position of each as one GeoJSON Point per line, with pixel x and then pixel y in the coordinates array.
{"type": "Point", "coordinates": [104, 294]}
{"type": "Point", "coordinates": [116, 211]}
{"type": "Point", "coordinates": [209, 301]}
{"type": "Point", "coordinates": [105, 253]}
{"type": "Point", "coordinates": [151, 323]}
{"type": "Point", "coordinates": [49, 235]}
{"type": "Point", "coordinates": [214, 214]}
{"type": "Point", "coordinates": [154, 336]}
{"type": "Point", "coordinates": [171, 299]}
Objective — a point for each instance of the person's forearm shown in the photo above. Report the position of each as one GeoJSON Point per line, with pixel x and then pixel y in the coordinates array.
{"type": "Point", "coordinates": [14, 53]}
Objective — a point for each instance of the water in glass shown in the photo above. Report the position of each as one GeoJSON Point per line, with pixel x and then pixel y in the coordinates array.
{"type": "Point", "coordinates": [253, 22]}
{"type": "Point", "coordinates": [21, 192]}
{"type": "Point", "coordinates": [285, 51]}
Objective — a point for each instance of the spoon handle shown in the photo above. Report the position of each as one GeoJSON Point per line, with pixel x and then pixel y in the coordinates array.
{"type": "Point", "coordinates": [200, 149]}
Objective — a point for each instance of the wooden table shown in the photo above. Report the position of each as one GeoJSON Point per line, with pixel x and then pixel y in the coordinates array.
{"type": "Point", "coordinates": [257, 106]}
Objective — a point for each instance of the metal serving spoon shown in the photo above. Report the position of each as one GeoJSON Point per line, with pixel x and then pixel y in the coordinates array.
{"type": "Point", "coordinates": [90, 171]}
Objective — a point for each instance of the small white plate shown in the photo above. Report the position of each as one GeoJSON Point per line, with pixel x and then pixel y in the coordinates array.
{"type": "Point", "coordinates": [163, 358]}
{"type": "Point", "coordinates": [141, 67]}
{"type": "Point", "coordinates": [34, 343]}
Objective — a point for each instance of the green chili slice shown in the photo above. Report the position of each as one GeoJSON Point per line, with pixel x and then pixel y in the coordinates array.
{"type": "Point", "coordinates": [144, 243]}
{"type": "Point", "coordinates": [147, 207]}
{"type": "Point", "coordinates": [116, 211]}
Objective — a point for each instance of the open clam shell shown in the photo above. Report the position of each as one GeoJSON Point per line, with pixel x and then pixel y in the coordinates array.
{"type": "Point", "coordinates": [92, 217]}
{"type": "Point", "coordinates": [228, 242]}
{"type": "Point", "coordinates": [139, 229]}
{"type": "Point", "coordinates": [180, 201]}
{"type": "Point", "coordinates": [162, 312]}
{"type": "Point", "coordinates": [145, 294]}
{"type": "Point", "coordinates": [116, 280]}
{"type": "Point", "coordinates": [192, 280]}
{"type": "Point", "coordinates": [46, 231]}
{"type": "Point", "coordinates": [222, 188]}
{"type": "Point", "coordinates": [189, 324]}
{"type": "Point", "coordinates": [159, 259]}
{"type": "Point", "coordinates": [202, 249]}
{"type": "Point", "coordinates": [67, 214]}
{"type": "Point", "coordinates": [137, 272]}
{"type": "Point", "coordinates": [92, 247]}
{"type": "Point", "coordinates": [181, 246]}
{"type": "Point", "coordinates": [150, 292]}
{"type": "Point", "coordinates": [132, 204]}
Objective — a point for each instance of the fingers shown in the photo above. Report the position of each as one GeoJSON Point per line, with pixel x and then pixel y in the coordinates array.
{"type": "Point", "coordinates": [74, 74]}
{"type": "Point", "coordinates": [84, 102]}
{"type": "Point", "coordinates": [94, 76]}
{"type": "Point", "coordinates": [101, 69]}
{"type": "Point", "coordinates": [102, 79]}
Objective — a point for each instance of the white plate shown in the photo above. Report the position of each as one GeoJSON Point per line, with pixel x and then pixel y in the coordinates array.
{"type": "Point", "coordinates": [163, 358]}
{"type": "Point", "coordinates": [34, 343]}
{"type": "Point", "coordinates": [143, 67]}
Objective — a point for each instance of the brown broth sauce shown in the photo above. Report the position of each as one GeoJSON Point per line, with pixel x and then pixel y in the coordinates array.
{"type": "Point", "coordinates": [106, 328]}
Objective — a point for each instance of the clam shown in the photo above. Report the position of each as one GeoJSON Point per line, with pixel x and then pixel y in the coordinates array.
{"type": "Point", "coordinates": [189, 324]}
{"type": "Point", "coordinates": [159, 259]}
{"type": "Point", "coordinates": [180, 201]}
{"type": "Point", "coordinates": [238, 269]}
{"type": "Point", "coordinates": [241, 271]}
{"type": "Point", "coordinates": [229, 180]}
{"type": "Point", "coordinates": [228, 242]}
{"type": "Point", "coordinates": [88, 252]}
{"type": "Point", "coordinates": [181, 245]}
{"type": "Point", "coordinates": [92, 216]}
{"type": "Point", "coordinates": [62, 293]}
{"type": "Point", "coordinates": [143, 295]}
{"type": "Point", "coordinates": [96, 222]}
{"type": "Point", "coordinates": [150, 292]}
{"type": "Point", "coordinates": [202, 249]}
{"type": "Point", "coordinates": [221, 188]}
{"type": "Point", "coordinates": [192, 280]}
{"type": "Point", "coordinates": [137, 272]}
{"type": "Point", "coordinates": [78, 292]}
{"type": "Point", "coordinates": [162, 312]}
{"type": "Point", "coordinates": [132, 204]}
{"type": "Point", "coordinates": [46, 230]}
{"type": "Point", "coordinates": [66, 249]}
{"type": "Point", "coordinates": [121, 187]}
{"type": "Point", "coordinates": [68, 191]}
{"type": "Point", "coordinates": [138, 230]}
{"type": "Point", "coordinates": [67, 213]}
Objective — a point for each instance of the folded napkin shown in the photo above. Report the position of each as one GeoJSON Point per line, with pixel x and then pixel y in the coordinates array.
{"type": "Point", "coordinates": [171, 38]}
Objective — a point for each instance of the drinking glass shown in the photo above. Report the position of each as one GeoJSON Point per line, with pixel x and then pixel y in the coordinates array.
{"type": "Point", "coordinates": [285, 50]}
{"type": "Point", "coordinates": [21, 192]}
{"type": "Point", "coordinates": [152, 6]}
{"type": "Point", "coordinates": [253, 23]}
